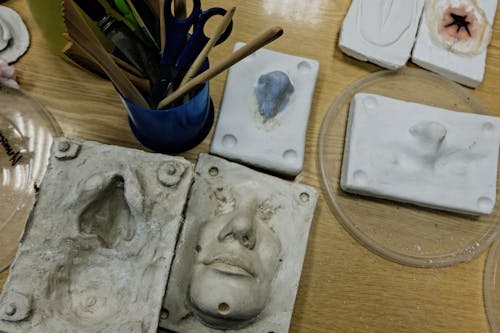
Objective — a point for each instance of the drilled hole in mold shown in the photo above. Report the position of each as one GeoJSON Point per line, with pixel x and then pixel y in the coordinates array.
{"type": "Point", "coordinates": [213, 171]}
{"type": "Point", "coordinates": [164, 314]}
{"type": "Point", "coordinates": [229, 141]}
{"type": "Point", "coordinates": [304, 197]}
{"type": "Point", "coordinates": [488, 127]}
{"type": "Point", "coordinates": [224, 308]}
{"type": "Point", "coordinates": [304, 67]}
{"type": "Point", "coordinates": [290, 156]}
{"type": "Point", "coordinates": [370, 102]}
{"type": "Point", "coordinates": [485, 203]}
{"type": "Point", "coordinates": [360, 177]}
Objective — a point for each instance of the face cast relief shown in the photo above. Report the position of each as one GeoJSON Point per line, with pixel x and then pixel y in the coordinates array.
{"type": "Point", "coordinates": [238, 254]}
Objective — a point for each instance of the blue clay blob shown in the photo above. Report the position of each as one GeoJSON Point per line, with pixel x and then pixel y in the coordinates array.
{"type": "Point", "coordinates": [273, 92]}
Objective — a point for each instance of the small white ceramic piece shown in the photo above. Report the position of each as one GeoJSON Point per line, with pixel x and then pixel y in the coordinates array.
{"type": "Point", "coordinates": [96, 253]}
{"type": "Point", "coordinates": [453, 39]}
{"type": "Point", "coordinates": [381, 31]}
{"type": "Point", "coordinates": [421, 154]}
{"type": "Point", "coordinates": [239, 256]}
{"type": "Point", "coordinates": [265, 110]}
{"type": "Point", "coordinates": [14, 36]}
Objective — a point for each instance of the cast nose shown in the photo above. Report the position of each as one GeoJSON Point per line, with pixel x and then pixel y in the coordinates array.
{"type": "Point", "coordinates": [241, 227]}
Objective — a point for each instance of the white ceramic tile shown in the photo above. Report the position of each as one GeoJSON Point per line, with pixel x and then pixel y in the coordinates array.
{"type": "Point", "coordinates": [463, 63]}
{"type": "Point", "coordinates": [381, 31]}
{"type": "Point", "coordinates": [243, 135]}
{"type": "Point", "coordinates": [421, 154]}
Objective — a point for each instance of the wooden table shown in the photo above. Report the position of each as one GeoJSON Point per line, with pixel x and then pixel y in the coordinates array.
{"type": "Point", "coordinates": [344, 287]}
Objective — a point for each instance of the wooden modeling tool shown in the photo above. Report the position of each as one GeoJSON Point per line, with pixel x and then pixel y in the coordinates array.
{"type": "Point", "coordinates": [163, 35]}
{"type": "Point", "coordinates": [206, 50]}
{"type": "Point", "coordinates": [83, 36]}
{"type": "Point", "coordinates": [258, 42]}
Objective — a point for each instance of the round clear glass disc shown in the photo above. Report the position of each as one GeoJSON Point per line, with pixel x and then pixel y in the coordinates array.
{"type": "Point", "coordinates": [403, 233]}
{"type": "Point", "coordinates": [492, 287]}
{"type": "Point", "coordinates": [26, 133]}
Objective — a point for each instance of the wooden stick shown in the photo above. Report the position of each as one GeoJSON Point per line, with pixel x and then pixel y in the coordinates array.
{"type": "Point", "coordinates": [206, 50]}
{"type": "Point", "coordinates": [163, 36]}
{"type": "Point", "coordinates": [263, 39]}
{"type": "Point", "coordinates": [83, 36]}
{"type": "Point", "coordinates": [71, 49]}
{"type": "Point", "coordinates": [82, 58]}
{"type": "Point", "coordinates": [180, 11]}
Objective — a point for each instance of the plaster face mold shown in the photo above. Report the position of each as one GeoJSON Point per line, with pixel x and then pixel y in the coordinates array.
{"type": "Point", "coordinates": [421, 154]}
{"type": "Point", "coordinates": [453, 39]}
{"type": "Point", "coordinates": [96, 253]}
{"type": "Point", "coordinates": [14, 36]}
{"type": "Point", "coordinates": [265, 110]}
{"type": "Point", "coordinates": [381, 31]}
{"type": "Point", "coordinates": [240, 253]}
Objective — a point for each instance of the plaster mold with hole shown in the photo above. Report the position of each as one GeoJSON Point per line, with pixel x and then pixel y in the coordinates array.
{"type": "Point", "coordinates": [453, 38]}
{"type": "Point", "coordinates": [421, 154]}
{"type": "Point", "coordinates": [14, 36]}
{"type": "Point", "coordinates": [265, 110]}
{"type": "Point", "coordinates": [96, 253]}
{"type": "Point", "coordinates": [381, 31]}
{"type": "Point", "coordinates": [240, 252]}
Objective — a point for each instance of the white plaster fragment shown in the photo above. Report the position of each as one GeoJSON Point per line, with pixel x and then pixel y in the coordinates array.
{"type": "Point", "coordinates": [239, 256]}
{"type": "Point", "coordinates": [421, 154]}
{"type": "Point", "coordinates": [381, 31]}
{"type": "Point", "coordinates": [14, 36]}
{"type": "Point", "coordinates": [450, 49]}
{"type": "Point", "coordinates": [244, 135]}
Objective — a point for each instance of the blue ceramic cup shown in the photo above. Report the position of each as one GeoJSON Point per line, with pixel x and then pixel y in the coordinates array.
{"type": "Point", "coordinates": [176, 129]}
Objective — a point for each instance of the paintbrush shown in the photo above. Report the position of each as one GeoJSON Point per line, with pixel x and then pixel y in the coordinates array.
{"type": "Point", "coordinates": [82, 35]}
{"type": "Point", "coordinates": [206, 50]}
{"type": "Point", "coordinates": [263, 39]}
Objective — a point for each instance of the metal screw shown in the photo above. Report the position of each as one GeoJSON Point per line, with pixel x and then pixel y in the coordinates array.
{"type": "Point", "coordinates": [63, 146]}
{"type": "Point", "coordinates": [11, 309]}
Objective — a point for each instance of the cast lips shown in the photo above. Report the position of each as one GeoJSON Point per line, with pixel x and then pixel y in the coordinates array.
{"type": "Point", "coordinates": [231, 266]}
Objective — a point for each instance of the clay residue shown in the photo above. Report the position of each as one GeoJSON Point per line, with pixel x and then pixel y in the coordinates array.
{"type": "Point", "coordinates": [460, 26]}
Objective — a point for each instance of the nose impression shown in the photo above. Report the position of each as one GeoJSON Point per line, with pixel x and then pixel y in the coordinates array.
{"type": "Point", "coordinates": [241, 227]}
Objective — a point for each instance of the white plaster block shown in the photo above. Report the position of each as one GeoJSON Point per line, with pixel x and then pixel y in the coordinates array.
{"type": "Point", "coordinates": [96, 252]}
{"type": "Point", "coordinates": [421, 154]}
{"type": "Point", "coordinates": [244, 135]}
{"type": "Point", "coordinates": [461, 62]}
{"type": "Point", "coordinates": [239, 256]}
{"type": "Point", "coordinates": [381, 31]}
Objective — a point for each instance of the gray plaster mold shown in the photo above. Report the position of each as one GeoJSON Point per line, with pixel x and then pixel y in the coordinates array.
{"type": "Point", "coordinates": [240, 252]}
{"type": "Point", "coordinates": [96, 252]}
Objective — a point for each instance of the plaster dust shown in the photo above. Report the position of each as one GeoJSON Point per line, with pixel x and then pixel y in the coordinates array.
{"type": "Point", "coordinates": [421, 154]}
{"type": "Point", "coordinates": [239, 256]}
{"type": "Point", "coordinates": [96, 252]}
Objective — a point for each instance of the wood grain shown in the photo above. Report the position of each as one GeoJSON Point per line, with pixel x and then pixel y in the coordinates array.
{"type": "Point", "coordinates": [344, 287]}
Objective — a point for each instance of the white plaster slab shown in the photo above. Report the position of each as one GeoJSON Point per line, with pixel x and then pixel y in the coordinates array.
{"type": "Point", "coordinates": [421, 154]}
{"type": "Point", "coordinates": [96, 252]}
{"type": "Point", "coordinates": [381, 31]}
{"type": "Point", "coordinates": [452, 62]}
{"type": "Point", "coordinates": [240, 253]}
{"type": "Point", "coordinates": [242, 134]}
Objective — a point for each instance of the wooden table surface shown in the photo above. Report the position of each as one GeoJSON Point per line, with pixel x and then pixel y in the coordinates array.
{"type": "Point", "coordinates": [344, 286]}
